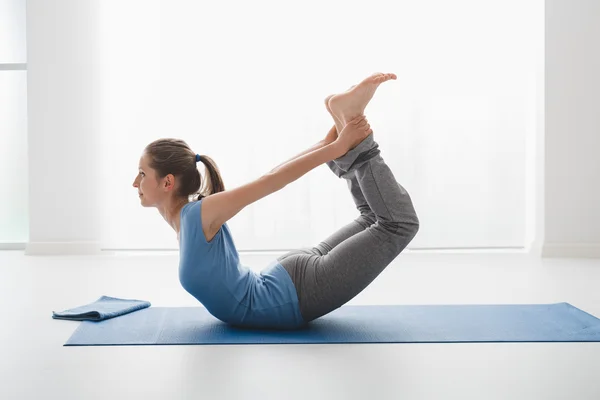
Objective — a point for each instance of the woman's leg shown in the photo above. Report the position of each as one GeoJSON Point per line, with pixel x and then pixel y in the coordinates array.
{"type": "Point", "coordinates": [355, 255]}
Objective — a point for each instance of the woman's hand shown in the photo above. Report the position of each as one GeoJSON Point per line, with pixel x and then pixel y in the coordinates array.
{"type": "Point", "coordinates": [331, 135]}
{"type": "Point", "coordinates": [353, 133]}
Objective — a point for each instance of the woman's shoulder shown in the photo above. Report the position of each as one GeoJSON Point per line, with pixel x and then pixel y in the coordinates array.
{"type": "Point", "coordinates": [189, 210]}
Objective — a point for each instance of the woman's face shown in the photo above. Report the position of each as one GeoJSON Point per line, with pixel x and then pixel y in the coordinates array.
{"type": "Point", "coordinates": [146, 184]}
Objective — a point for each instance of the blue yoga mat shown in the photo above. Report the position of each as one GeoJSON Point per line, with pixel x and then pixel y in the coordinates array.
{"type": "Point", "coordinates": [559, 322]}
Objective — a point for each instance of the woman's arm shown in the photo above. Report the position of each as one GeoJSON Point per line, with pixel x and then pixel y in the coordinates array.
{"type": "Point", "coordinates": [353, 133]}
{"type": "Point", "coordinates": [330, 138]}
{"type": "Point", "coordinates": [291, 170]}
{"type": "Point", "coordinates": [219, 208]}
{"type": "Point", "coordinates": [316, 146]}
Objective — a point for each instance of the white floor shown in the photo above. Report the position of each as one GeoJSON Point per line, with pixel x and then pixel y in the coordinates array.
{"type": "Point", "coordinates": [35, 365]}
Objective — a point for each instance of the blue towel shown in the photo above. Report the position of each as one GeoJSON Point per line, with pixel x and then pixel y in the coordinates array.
{"type": "Point", "coordinates": [103, 308]}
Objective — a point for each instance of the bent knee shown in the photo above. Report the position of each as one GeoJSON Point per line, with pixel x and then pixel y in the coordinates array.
{"type": "Point", "coordinates": [403, 231]}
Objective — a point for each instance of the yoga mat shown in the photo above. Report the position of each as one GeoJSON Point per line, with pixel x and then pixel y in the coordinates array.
{"type": "Point", "coordinates": [559, 322]}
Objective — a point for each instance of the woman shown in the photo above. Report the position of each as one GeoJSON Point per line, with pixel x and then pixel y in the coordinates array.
{"type": "Point", "coordinates": [304, 284]}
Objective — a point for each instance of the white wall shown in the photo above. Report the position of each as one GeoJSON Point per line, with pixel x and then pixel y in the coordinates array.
{"type": "Point", "coordinates": [61, 62]}
{"type": "Point", "coordinates": [454, 137]}
{"type": "Point", "coordinates": [572, 129]}
{"type": "Point", "coordinates": [63, 100]}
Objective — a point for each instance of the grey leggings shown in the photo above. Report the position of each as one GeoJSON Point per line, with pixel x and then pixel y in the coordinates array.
{"type": "Point", "coordinates": [340, 267]}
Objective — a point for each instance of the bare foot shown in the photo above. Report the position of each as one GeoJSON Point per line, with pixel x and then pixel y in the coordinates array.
{"type": "Point", "coordinates": [352, 103]}
{"type": "Point", "coordinates": [338, 124]}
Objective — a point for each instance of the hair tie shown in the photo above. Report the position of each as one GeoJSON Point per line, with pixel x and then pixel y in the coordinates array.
{"type": "Point", "coordinates": [197, 157]}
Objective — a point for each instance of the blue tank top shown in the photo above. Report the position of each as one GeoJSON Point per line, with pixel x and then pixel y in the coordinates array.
{"type": "Point", "coordinates": [235, 294]}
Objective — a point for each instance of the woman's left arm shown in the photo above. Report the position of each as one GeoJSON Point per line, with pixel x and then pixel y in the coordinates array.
{"type": "Point", "coordinates": [330, 138]}
{"type": "Point", "coordinates": [219, 208]}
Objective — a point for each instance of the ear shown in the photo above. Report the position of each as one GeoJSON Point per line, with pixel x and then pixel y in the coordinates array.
{"type": "Point", "coordinates": [169, 182]}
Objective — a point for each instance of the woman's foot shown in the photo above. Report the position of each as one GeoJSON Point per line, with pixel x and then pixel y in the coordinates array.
{"type": "Point", "coordinates": [352, 103]}
{"type": "Point", "coordinates": [338, 124]}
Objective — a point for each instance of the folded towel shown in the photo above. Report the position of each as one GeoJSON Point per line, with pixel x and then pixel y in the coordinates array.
{"type": "Point", "coordinates": [103, 308]}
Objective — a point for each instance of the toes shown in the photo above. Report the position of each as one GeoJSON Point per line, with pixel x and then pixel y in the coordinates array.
{"type": "Point", "coordinates": [387, 77]}
{"type": "Point", "coordinates": [380, 77]}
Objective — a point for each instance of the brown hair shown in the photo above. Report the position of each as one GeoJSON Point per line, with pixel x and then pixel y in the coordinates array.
{"type": "Point", "coordinates": [174, 156]}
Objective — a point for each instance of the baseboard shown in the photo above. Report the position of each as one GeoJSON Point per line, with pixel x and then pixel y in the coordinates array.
{"type": "Point", "coordinates": [549, 250]}
{"type": "Point", "coordinates": [12, 246]}
{"type": "Point", "coordinates": [62, 248]}
{"type": "Point", "coordinates": [571, 250]}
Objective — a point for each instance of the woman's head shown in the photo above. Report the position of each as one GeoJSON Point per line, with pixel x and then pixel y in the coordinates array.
{"type": "Point", "coordinates": [168, 171]}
